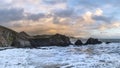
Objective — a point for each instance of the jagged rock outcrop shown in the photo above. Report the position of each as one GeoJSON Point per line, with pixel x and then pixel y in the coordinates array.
{"type": "Point", "coordinates": [9, 38]}
{"type": "Point", "coordinates": [36, 42]}
{"type": "Point", "coordinates": [24, 34]}
{"type": "Point", "coordinates": [53, 40]}
{"type": "Point", "coordinates": [6, 37]}
{"type": "Point", "coordinates": [93, 41]}
{"type": "Point", "coordinates": [78, 42]}
{"type": "Point", "coordinates": [59, 40]}
{"type": "Point", "coordinates": [20, 41]}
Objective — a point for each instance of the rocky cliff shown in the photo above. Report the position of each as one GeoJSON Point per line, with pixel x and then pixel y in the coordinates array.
{"type": "Point", "coordinates": [93, 41]}
{"type": "Point", "coordinates": [53, 40]}
{"type": "Point", "coordinates": [9, 37]}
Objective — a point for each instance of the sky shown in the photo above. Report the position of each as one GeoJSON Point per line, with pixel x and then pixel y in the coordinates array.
{"type": "Point", "coordinates": [77, 18]}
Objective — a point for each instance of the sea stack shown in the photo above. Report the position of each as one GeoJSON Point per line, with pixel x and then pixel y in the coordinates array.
{"type": "Point", "coordinates": [93, 41]}
{"type": "Point", "coordinates": [78, 42]}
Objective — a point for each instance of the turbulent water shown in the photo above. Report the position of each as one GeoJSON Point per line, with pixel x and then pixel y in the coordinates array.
{"type": "Point", "coordinates": [90, 56]}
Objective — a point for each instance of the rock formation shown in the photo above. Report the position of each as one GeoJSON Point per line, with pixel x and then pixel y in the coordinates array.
{"type": "Point", "coordinates": [24, 34]}
{"type": "Point", "coordinates": [9, 38]}
{"type": "Point", "coordinates": [21, 41]}
{"type": "Point", "coordinates": [78, 42]}
{"type": "Point", "coordinates": [107, 42]}
{"type": "Point", "coordinates": [53, 40]}
{"type": "Point", "coordinates": [93, 41]}
{"type": "Point", "coordinates": [59, 40]}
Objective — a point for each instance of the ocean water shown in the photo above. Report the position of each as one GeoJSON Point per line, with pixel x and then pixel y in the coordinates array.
{"type": "Point", "coordinates": [111, 40]}
{"type": "Point", "coordinates": [103, 40]}
{"type": "Point", "coordinates": [90, 56]}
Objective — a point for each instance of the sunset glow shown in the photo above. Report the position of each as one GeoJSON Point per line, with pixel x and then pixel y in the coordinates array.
{"type": "Point", "coordinates": [77, 18]}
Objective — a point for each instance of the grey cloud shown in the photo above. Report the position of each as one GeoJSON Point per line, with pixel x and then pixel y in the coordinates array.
{"type": "Point", "coordinates": [5, 4]}
{"type": "Point", "coordinates": [64, 13]}
{"type": "Point", "coordinates": [7, 15]}
{"type": "Point", "coordinates": [102, 18]}
{"type": "Point", "coordinates": [55, 20]}
{"type": "Point", "coordinates": [35, 17]}
{"type": "Point", "coordinates": [14, 14]}
{"type": "Point", "coordinates": [53, 1]}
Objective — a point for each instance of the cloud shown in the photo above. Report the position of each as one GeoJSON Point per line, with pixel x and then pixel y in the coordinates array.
{"type": "Point", "coordinates": [64, 12]}
{"type": "Point", "coordinates": [64, 21]}
{"type": "Point", "coordinates": [98, 16]}
{"type": "Point", "coordinates": [106, 26]}
{"type": "Point", "coordinates": [88, 17]}
{"type": "Point", "coordinates": [54, 1]}
{"type": "Point", "coordinates": [14, 14]}
{"type": "Point", "coordinates": [8, 15]}
{"type": "Point", "coordinates": [46, 26]}
{"type": "Point", "coordinates": [80, 18]}
{"type": "Point", "coordinates": [98, 12]}
{"type": "Point", "coordinates": [35, 17]}
{"type": "Point", "coordinates": [102, 18]}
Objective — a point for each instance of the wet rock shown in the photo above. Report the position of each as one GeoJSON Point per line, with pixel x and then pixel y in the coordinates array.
{"type": "Point", "coordinates": [93, 41]}
{"type": "Point", "coordinates": [78, 42]}
{"type": "Point", "coordinates": [53, 40]}
{"type": "Point", "coordinates": [59, 40]}
{"type": "Point", "coordinates": [107, 42]}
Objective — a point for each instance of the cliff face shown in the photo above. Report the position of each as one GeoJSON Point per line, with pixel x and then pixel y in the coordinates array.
{"type": "Point", "coordinates": [59, 40]}
{"type": "Point", "coordinates": [9, 37]}
{"type": "Point", "coordinates": [24, 35]}
{"type": "Point", "coordinates": [53, 40]}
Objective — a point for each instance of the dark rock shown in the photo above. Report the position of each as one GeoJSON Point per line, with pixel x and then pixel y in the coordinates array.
{"type": "Point", "coordinates": [53, 40]}
{"type": "Point", "coordinates": [36, 42]}
{"type": "Point", "coordinates": [108, 42]}
{"type": "Point", "coordinates": [78, 42]}
{"type": "Point", "coordinates": [59, 40]}
{"type": "Point", "coordinates": [93, 41]}
{"type": "Point", "coordinates": [21, 42]}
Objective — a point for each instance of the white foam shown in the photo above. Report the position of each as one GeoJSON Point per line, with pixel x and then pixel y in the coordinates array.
{"type": "Point", "coordinates": [91, 56]}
